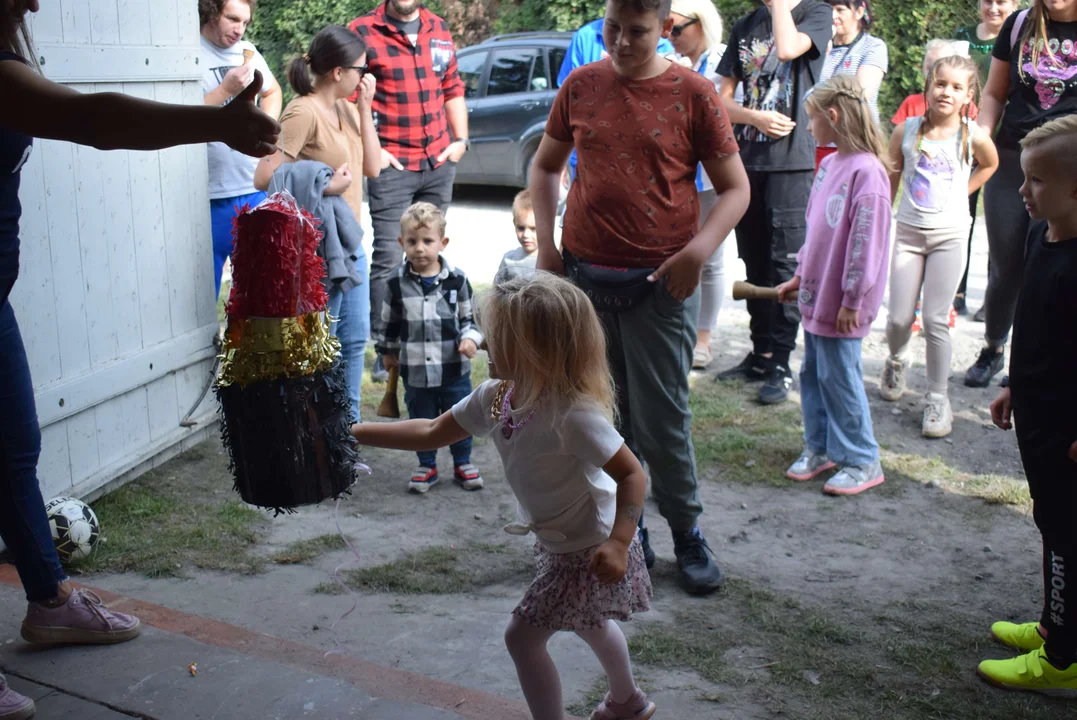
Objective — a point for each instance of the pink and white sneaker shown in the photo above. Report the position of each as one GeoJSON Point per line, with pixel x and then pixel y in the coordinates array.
{"type": "Point", "coordinates": [14, 706]}
{"type": "Point", "coordinates": [82, 620]}
{"type": "Point", "coordinates": [637, 707]}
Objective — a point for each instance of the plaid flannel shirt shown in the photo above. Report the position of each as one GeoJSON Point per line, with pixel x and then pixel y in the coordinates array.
{"type": "Point", "coordinates": [414, 81]}
{"type": "Point", "coordinates": [425, 326]}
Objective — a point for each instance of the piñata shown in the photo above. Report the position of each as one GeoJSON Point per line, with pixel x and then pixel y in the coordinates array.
{"type": "Point", "coordinates": [281, 385]}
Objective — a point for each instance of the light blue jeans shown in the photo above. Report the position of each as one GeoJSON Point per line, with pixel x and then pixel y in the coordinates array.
{"type": "Point", "coordinates": [837, 419]}
{"type": "Point", "coordinates": [352, 328]}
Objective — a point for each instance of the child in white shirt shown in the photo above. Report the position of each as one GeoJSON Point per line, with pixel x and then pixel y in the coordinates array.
{"type": "Point", "coordinates": [521, 260]}
{"type": "Point", "coordinates": [579, 488]}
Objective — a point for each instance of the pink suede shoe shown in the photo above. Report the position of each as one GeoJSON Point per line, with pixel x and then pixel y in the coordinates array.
{"type": "Point", "coordinates": [14, 706]}
{"type": "Point", "coordinates": [82, 620]}
{"type": "Point", "coordinates": [637, 707]}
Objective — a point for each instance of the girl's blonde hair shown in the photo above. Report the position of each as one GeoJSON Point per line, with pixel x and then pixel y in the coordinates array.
{"type": "Point", "coordinates": [709, 19]}
{"type": "Point", "coordinates": [855, 123]}
{"type": "Point", "coordinates": [956, 62]}
{"type": "Point", "coordinates": [544, 333]}
{"type": "Point", "coordinates": [1034, 30]}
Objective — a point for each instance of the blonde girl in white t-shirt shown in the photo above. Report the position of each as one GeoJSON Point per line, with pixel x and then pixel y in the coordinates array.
{"type": "Point", "coordinates": [579, 489]}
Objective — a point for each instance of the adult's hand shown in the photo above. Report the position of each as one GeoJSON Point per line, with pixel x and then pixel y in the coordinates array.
{"type": "Point", "coordinates": [238, 78]}
{"type": "Point", "coordinates": [388, 159]}
{"type": "Point", "coordinates": [340, 182]}
{"type": "Point", "coordinates": [774, 124]}
{"type": "Point", "coordinates": [1002, 411]}
{"type": "Point", "coordinates": [682, 273]}
{"type": "Point", "coordinates": [550, 260]}
{"type": "Point", "coordinates": [390, 361]}
{"type": "Point", "coordinates": [246, 128]}
{"type": "Point", "coordinates": [454, 152]}
{"type": "Point", "coordinates": [367, 86]}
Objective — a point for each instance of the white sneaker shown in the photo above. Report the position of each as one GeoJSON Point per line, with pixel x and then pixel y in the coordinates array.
{"type": "Point", "coordinates": [808, 465]}
{"type": "Point", "coordinates": [853, 480]}
{"type": "Point", "coordinates": [938, 416]}
{"type": "Point", "coordinates": [892, 383]}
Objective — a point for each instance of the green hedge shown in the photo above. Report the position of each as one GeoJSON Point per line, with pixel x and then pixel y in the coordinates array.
{"type": "Point", "coordinates": [283, 28]}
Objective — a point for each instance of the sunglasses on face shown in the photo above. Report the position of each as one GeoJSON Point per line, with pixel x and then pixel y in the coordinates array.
{"type": "Point", "coordinates": [360, 68]}
{"type": "Point", "coordinates": [678, 29]}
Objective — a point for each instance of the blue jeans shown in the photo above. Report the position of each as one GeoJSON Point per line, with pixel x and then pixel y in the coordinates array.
{"type": "Point", "coordinates": [837, 420]}
{"type": "Point", "coordinates": [222, 213]}
{"type": "Point", "coordinates": [352, 328]}
{"type": "Point", "coordinates": [24, 526]}
{"type": "Point", "coordinates": [429, 403]}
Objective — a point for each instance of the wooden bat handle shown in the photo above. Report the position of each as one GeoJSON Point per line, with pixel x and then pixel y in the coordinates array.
{"type": "Point", "coordinates": [747, 291]}
{"type": "Point", "coordinates": [394, 376]}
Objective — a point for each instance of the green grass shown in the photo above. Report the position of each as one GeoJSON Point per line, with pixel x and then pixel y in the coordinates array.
{"type": "Point", "coordinates": [994, 489]}
{"type": "Point", "coordinates": [174, 518]}
{"type": "Point", "coordinates": [436, 570]}
{"type": "Point", "coordinates": [895, 666]}
{"type": "Point", "coordinates": [304, 551]}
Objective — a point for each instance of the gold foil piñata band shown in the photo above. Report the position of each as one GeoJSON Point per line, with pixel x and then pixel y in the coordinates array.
{"type": "Point", "coordinates": [257, 349]}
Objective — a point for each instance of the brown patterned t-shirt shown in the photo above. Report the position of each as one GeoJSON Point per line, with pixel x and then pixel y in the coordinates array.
{"type": "Point", "coordinates": [639, 142]}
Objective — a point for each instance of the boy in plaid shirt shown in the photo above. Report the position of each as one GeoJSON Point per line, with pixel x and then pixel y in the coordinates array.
{"type": "Point", "coordinates": [431, 336]}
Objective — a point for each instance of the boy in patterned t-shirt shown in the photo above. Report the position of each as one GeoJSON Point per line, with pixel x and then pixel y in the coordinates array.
{"type": "Point", "coordinates": [640, 125]}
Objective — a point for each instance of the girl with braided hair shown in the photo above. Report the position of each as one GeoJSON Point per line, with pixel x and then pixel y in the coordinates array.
{"type": "Point", "coordinates": [943, 158]}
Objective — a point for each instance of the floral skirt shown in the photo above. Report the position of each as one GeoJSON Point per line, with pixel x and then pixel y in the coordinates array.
{"type": "Point", "coordinates": [566, 595]}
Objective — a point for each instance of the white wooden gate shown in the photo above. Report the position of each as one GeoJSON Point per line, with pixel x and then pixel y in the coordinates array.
{"type": "Point", "coordinates": [115, 294]}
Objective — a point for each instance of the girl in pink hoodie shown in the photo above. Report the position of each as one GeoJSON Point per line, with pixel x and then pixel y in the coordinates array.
{"type": "Point", "coordinates": [839, 285]}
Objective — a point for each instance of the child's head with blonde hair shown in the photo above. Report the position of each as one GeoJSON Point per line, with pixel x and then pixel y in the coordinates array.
{"type": "Point", "coordinates": [841, 101]}
{"type": "Point", "coordinates": [423, 215]}
{"type": "Point", "coordinates": [422, 235]}
{"type": "Point", "coordinates": [1050, 168]}
{"type": "Point", "coordinates": [523, 219]}
{"type": "Point", "coordinates": [544, 335]}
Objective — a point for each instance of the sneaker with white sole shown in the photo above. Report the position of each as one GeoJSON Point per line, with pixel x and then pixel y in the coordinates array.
{"type": "Point", "coordinates": [938, 417]}
{"type": "Point", "coordinates": [892, 383]}
{"type": "Point", "coordinates": [423, 479]}
{"type": "Point", "coordinates": [82, 620]}
{"type": "Point", "coordinates": [853, 480]}
{"type": "Point", "coordinates": [1031, 672]}
{"type": "Point", "coordinates": [14, 706]}
{"type": "Point", "coordinates": [809, 465]}
{"type": "Point", "coordinates": [467, 476]}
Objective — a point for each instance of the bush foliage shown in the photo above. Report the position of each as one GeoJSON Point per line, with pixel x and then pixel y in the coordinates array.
{"type": "Point", "coordinates": [283, 28]}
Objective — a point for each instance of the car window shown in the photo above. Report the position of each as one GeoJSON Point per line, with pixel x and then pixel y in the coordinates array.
{"type": "Point", "coordinates": [511, 71]}
{"type": "Point", "coordinates": [557, 58]}
{"type": "Point", "coordinates": [470, 67]}
{"type": "Point", "coordinates": [540, 76]}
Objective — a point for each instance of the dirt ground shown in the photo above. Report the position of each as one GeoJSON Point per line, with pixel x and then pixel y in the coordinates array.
{"type": "Point", "coordinates": [874, 606]}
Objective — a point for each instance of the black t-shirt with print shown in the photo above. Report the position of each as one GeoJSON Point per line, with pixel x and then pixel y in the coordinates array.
{"type": "Point", "coordinates": [14, 151]}
{"type": "Point", "coordinates": [773, 85]}
{"type": "Point", "coordinates": [1039, 94]}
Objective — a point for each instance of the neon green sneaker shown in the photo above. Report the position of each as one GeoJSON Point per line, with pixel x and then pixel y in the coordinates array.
{"type": "Point", "coordinates": [1031, 672]}
{"type": "Point", "coordinates": [1025, 636]}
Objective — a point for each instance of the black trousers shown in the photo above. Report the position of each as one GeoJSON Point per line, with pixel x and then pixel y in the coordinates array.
{"type": "Point", "coordinates": [1045, 435]}
{"type": "Point", "coordinates": [769, 236]}
{"type": "Point", "coordinates": [389, 195]}
{"type": "Point", "coordinates": [974, 200]}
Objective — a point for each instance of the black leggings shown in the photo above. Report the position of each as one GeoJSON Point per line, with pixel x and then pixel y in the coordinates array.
{"type": "Point", "coordinates": [974, 200]}
{"type": "Point", "coordinates": [1052, 482]}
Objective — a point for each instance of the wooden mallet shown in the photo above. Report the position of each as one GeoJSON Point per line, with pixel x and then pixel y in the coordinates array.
{"type": "Point", "coordinates": [390, 405]}
{"type": "Point", "coordinates": [747, 291]}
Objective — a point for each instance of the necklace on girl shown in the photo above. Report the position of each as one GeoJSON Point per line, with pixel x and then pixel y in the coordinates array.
{"type": "Point", "coordinates": [502, 410]}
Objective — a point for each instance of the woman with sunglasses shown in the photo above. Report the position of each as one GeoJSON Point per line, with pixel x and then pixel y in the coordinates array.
{"type": "Point", "coordinates": [697, 38]}
{"type": "Point", "coordinates": [320, 124]}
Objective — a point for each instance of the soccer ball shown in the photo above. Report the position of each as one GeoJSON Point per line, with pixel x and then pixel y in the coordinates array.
{"type": "Point", "coordinates": [74, 528]}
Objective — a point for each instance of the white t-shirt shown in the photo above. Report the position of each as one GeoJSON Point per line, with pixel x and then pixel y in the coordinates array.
{"type": "Point", "coordinates": [231, 173]}
{"type": "Point", "coordinates": [517, 262]}
{"type": "Point", "coordinates": [554, 466]}
{"type": "Point", "coordinates": [866, 50]}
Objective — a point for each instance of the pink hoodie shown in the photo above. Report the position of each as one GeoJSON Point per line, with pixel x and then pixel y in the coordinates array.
{"type": "Point", "coordinates": [844, 258]}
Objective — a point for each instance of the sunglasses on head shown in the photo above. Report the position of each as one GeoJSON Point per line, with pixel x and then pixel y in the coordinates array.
{"type": "Point", "coordinates": [678, 29]}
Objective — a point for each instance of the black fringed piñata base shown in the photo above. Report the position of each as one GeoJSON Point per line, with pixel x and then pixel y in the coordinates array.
{"type": "Point", "coordinates": [289, 439]}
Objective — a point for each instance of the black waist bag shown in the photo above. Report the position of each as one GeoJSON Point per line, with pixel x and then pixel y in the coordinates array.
{"type": "Point", "coordinates": [611, 289]}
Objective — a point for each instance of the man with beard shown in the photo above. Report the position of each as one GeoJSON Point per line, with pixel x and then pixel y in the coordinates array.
{"type": "Point", "coordinates": [421, 117]}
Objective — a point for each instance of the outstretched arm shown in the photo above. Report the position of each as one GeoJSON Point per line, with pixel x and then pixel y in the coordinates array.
{"type": "Point", "coordinates": [414, 435]}
{"type": "Point", "coordinates": [41, 108]}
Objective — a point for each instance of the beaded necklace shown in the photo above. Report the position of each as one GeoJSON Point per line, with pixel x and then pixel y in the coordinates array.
{"type": "Point", "coordinates": [502, 411]}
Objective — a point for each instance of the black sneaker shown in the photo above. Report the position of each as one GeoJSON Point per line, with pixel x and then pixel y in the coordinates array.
{"type": "Point", "coordinates": [752, 368]}
{"type": "Point", "coordinates": [988, 365]}
{"type": "Point", "coordinates": [960, 306]}
{"type": "Point", "coordinates": [981, 315]}
{"type": "Point", "coordinates": [648, 553]}
{"type": "Point", "coordinates": [699, 572]}
{"type": "Point", "coordinates": [777, 385]}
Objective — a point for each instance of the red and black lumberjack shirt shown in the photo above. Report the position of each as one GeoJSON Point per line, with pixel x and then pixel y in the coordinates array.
{"type": "Point", "coordinates": [414, 81]}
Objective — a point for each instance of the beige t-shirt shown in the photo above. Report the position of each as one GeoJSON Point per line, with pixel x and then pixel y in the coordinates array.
{"type": "Point", "coordinates": [308, 134]}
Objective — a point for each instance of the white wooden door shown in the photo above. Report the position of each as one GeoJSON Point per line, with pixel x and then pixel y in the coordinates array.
{"type": "Point", "coordinates": [115, 293]}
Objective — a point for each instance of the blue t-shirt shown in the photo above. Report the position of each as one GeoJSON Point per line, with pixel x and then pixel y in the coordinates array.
{"type": "Point", "coordinates": [587, 46]}
{"type": "Point", "coordinates": [14, 152]}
